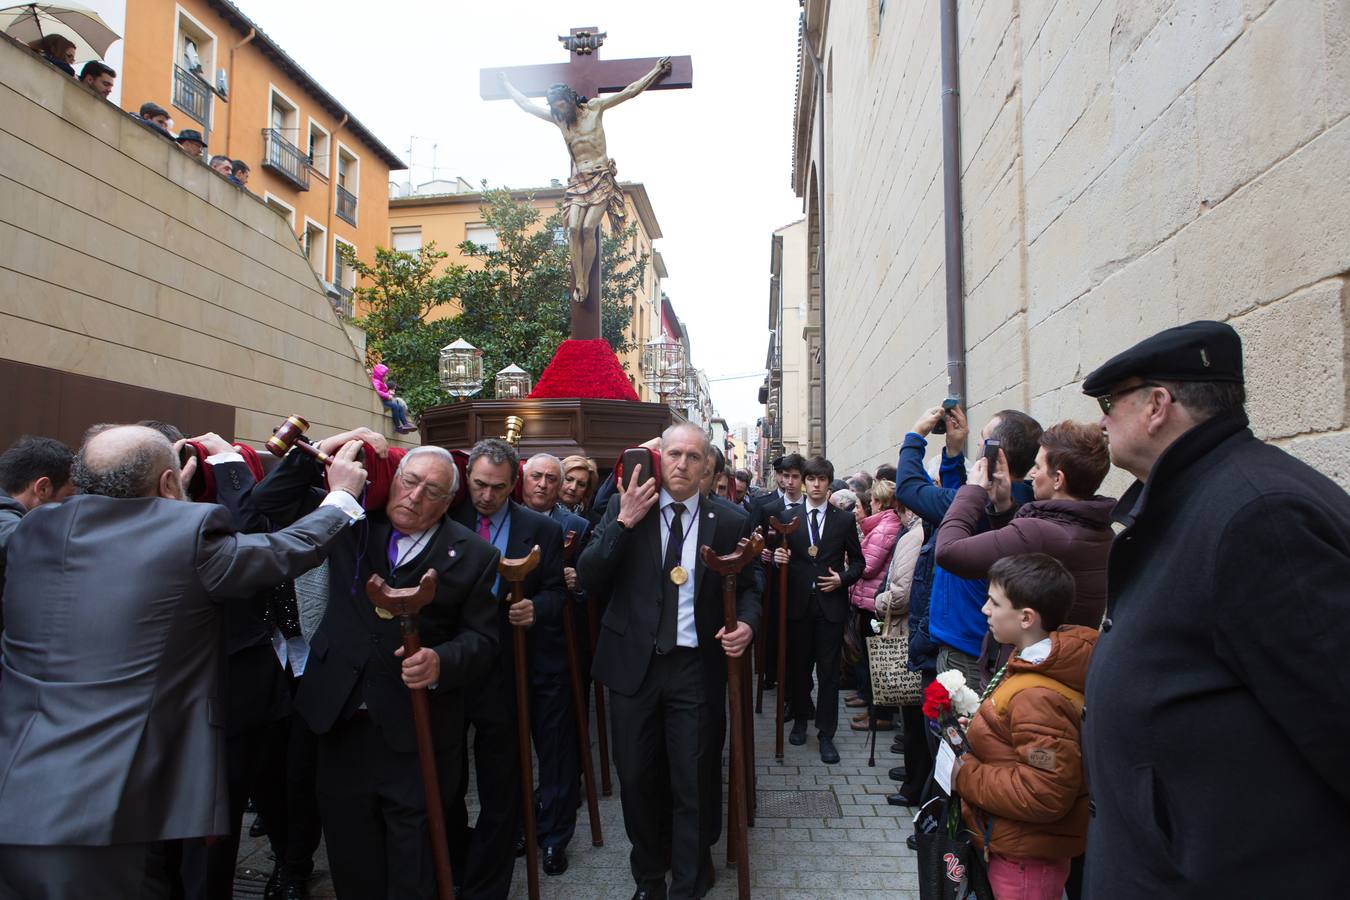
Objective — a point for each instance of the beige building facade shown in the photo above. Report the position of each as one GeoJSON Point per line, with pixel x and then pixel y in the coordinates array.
{"type": "Point", "coordinates": [137, 283]}
{"type": "Point", "coordinates": [1124, 166]}
{"type": "Point", "coordinates": [789, 424]}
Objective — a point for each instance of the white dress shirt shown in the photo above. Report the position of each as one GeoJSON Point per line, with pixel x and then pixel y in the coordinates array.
{"type": "Point", "coordinates": [820, 529]}
{"type": "Point", "coordinates": [686, 635]}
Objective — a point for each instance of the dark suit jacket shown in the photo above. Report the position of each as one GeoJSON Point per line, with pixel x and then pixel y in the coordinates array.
{"type": "Point", "coordinates": [111, 727]}
{"type": "Point", "coordinates": [839, 550]}
{"type": "Point", "coordinates": [627, 564]}
{"type": "Point", "coordinates": [255, 690]}
{"type": "Point", "coordinates": [351, 658]}
{"type": "Point", "coordinates": [545, 586]}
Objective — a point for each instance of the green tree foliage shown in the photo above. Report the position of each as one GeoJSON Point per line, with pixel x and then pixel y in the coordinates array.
{"type": "Point", "coordinates": [514, 302]}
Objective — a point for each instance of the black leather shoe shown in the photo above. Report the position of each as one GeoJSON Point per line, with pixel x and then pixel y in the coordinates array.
{"type": "Point", "coordinates": [797, 736]}
{"type": "Point", "coordinates": [770, 685]}
{"type": "Point", "coordinates": [899, 799]}
{"type": "Point", "coordinates": [897, 746]}
{"type": "Point", "coordinates": [520, 845]}
{"type": "Point", "coordinates": [555, 860]}
{"type": "Point", "coordinates": [296, 890]}
{"type": "Point", "coordinates": [828, 754]}
{"type": "Point", "coordinates": [912, 842]}
{"type": "Point", "coordinates": [273, 890]}
{"type": "Point", "coordinates": [258, 828]}
{"type": "Point", "coordinates": [897, 774]}
{"type": "Point", "coordinates": [650, 893]}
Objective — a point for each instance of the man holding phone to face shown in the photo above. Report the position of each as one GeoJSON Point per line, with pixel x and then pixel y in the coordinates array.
{"type": "Point", "coordinates": [824, 559]}
{"type": "Point", "coordinates": [663, 652]}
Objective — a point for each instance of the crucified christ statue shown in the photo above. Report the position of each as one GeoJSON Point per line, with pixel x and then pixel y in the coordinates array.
{"type": "Point", "coordinates": [593, 189]}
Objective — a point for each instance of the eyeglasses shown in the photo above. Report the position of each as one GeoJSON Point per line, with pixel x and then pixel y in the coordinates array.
{"type": "Point", "coordinates": [432, 492]}
{"type": "Point", "coordinates": [1110, 399]}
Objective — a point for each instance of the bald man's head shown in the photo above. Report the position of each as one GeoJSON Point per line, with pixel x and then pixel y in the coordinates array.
{"type": "Point", "coordinates": [126, 461]}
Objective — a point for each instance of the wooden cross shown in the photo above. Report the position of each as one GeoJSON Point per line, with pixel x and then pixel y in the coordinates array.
{"type": "Point", "coordinates": [585, 72]}
{"type": "Point", "coordinates": [589, 76]}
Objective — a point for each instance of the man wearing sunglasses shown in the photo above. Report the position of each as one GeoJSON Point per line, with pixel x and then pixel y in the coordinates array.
{"type": "Point", "coordinates": [1218, 690]}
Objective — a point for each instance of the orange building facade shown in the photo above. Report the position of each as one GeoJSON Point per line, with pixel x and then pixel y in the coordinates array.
{"type": "Point", "coordinates": [314, 163]}
{"type": "Point", "coordinates": [449, 213]}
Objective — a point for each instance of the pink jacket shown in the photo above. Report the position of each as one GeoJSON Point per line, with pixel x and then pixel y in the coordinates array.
{"type": "Point", "coordinates": [880, 532]}
{"type": "Point", "coordinates": [377, 377]}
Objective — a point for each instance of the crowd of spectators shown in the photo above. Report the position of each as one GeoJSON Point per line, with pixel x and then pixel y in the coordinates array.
{"type": "Point", "coordinates": [99, 77]}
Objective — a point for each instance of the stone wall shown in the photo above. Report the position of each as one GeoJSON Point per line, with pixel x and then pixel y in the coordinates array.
{"type": "Point", "coordinates": [126, 260]}
{"type": "Point", "coordinates": [1127, 165]}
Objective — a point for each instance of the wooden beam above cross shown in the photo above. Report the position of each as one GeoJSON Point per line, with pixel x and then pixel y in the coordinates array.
{"type": "Point", "coordinates": [584, 72]}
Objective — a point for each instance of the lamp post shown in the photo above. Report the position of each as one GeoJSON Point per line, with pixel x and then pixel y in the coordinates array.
{"type": "Point", "coordinates": [663, 367]}
{"type": "Point", "coordinates": [512, 383]}
{"type": "Point", "coordinates": [461, 369]}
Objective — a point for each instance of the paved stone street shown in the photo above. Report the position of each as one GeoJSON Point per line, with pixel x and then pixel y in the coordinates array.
{"type": "Point", "coordinates": [851, 845]}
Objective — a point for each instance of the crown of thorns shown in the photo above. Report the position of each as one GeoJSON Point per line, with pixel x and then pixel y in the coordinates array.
{"type": "Point", "coordinates": [562, 90]}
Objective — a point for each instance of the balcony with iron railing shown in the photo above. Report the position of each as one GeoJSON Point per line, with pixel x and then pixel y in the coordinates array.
{"type": "Point", "coordinates": [192, 96]}
{"type": "Point", "coordinates": [346, 205]}
{"type": "Point", "coordinates": [284, 158]}
{"type": "Point", "coordinates": [343, 301]}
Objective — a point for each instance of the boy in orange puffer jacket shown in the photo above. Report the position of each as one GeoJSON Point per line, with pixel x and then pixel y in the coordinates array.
{"type": "Point", "coordinates": [1022, 783]}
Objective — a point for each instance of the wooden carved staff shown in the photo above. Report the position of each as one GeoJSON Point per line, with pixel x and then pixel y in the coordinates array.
{"type": "Point", "coordinates": [783, 529]}
{"type": "Point", "coordinates": [404, 604]}
{"type": "Point", "coordinates": [728, 566]}
{"type": "Point", "coordinates": [579, 702]}
{"type": "Point", "coordinates": [601, 721]}
{"type": "Point", "coordinates": [515, 572]}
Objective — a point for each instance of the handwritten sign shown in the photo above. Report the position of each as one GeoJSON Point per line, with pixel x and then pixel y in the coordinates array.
{"type": "Point", "coordinates": [892, 682]}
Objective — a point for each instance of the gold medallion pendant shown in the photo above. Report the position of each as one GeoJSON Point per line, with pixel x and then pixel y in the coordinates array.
{"type": "Point", "coordinates": [813, 550]}
{"type": "Point", "coordinates": [679, 575]}
{"type": "Point", "coordinates": [383, 613]}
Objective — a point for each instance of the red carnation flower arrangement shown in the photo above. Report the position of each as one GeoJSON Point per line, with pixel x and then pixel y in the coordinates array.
{"type": "Point", "coordinates": [942, 705]}
{"type": "Point", "coordinates": [587, 369]}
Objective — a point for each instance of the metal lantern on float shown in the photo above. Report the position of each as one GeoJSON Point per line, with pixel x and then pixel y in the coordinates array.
{"type": "Point", "coordinates": [512, 383]}
{"type": "Point", "coordinates": [663, 366]}
{"type": "Point", "coordinates": [461, 369]}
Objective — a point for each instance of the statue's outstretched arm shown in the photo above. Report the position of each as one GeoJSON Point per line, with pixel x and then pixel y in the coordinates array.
{"type": "Point", "coordinates": [522, 101]}
{"type": "Point", "coordinates": [662, 67]}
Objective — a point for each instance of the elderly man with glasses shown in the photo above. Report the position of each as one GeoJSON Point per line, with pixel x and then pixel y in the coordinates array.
{"type": "Point", "coordinates": [355, 693]}
{"type": "Point", "coordinates": [1217, 690]}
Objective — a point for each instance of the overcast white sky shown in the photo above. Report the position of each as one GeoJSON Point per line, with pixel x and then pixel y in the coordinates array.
{"type": "Point", "coordinates": [716, 160]}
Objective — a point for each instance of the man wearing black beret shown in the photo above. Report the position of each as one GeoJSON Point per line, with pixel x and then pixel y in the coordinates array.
{"type": "Point", "coordinates": [1218, 699]}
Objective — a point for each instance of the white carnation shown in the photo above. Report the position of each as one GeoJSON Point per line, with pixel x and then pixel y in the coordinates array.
{"type": "Point", "coordinates": [965, 701]}
{"type": "Point", "coordinates": [952, 680]}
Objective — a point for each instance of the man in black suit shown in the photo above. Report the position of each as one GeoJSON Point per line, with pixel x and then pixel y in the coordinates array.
{"type": "Point", "coordinates": [355, 691]}
{"type": "Point", "coordinates": [662, 653]}
{"type": "Point", "coordinates": [824, 558]}
{"type": "Point", "coordinates": [777, 504]}
{"type": "Point", "coordinates": [484, 860]}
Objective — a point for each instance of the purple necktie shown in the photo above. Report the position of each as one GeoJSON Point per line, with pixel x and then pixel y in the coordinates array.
{"type": "Point", "coordinates": [394, 536]}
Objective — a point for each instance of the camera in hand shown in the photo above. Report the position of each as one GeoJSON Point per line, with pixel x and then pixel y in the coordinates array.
{"type": "Point", "coordinates": [947, 406]}
{"type": "Point", "coordinates": [991, 448]}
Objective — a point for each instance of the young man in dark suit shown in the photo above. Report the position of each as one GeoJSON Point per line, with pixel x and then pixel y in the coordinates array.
{"type": "Point", "coordinates": [824, 558]}
{"type": "Point", "coordinates": [663, 654]}
{"type": "Point", "coordinates": [484, 861]}
{"type": "Point", "coordinates": [777, 504]}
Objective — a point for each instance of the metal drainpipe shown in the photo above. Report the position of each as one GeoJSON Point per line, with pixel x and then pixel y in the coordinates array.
{"type": "Point", "coordinates": [820, 215]}
{"type": "Point", "coordinates": [951, 201]}
{"type": "Point", "coordinates": [229, 107]}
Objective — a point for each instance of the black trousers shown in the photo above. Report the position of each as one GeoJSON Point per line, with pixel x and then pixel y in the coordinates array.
{"type": "Point", "coordinates": [484, 857]}
{"type": "Point", "coordinates": [373, 809]}
{"type": "Point", "coordinates": [918, 757]}
{"type": "Point", "coordinates": [553, 725]}
{"type": "Point", "coordinates": [119, 872]}
{"type": "Point", "coordinates": [769, 631]}
{"type": "Point", "coordinates": [815, 642]}
{"type": "Point", "coordinates": [292, 821]}
{"type": "Point", "coordinates": [663, 738]}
